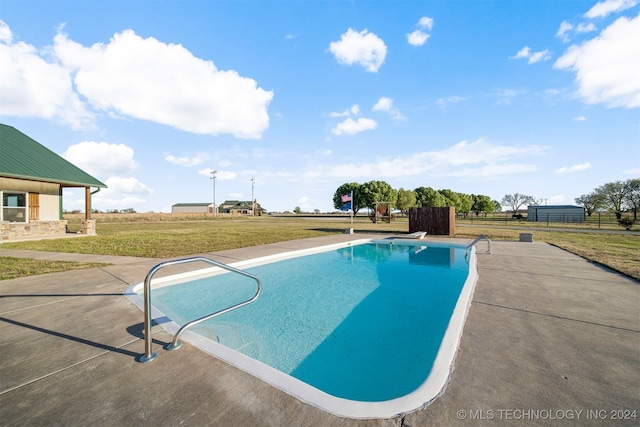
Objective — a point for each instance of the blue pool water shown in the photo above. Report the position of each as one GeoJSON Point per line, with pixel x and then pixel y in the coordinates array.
{"type": "Point", "coordinates": [363, 322]}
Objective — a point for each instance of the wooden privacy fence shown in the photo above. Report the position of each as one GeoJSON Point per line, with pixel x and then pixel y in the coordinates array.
{"type": "Point", "coordinates": [435, 221]}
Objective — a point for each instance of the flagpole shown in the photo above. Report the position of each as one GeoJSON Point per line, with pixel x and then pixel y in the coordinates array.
{"type": "Point", "coordinates": [351, 207]}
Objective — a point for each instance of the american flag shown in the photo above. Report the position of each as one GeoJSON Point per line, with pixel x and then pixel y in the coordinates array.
{"type": "Point", "coordinates": [346, 198]}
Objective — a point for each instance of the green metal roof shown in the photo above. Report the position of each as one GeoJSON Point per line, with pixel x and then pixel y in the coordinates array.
{"type": "Point", "coordinates": [24, 158]}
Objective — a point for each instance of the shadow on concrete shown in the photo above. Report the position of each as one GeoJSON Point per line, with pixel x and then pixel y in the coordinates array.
{"type": "Point", "coordinates": [70, 337]}
{"type": "Point", "coordinates": [58, 295]}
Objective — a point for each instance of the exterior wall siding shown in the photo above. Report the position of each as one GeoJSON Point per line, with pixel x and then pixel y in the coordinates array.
{"type": "Point", "coordinates": [556, 214]}
{"type": "Point", "coordinates": [190, 209]}
{"type": "Point", "coordinates": [49, 207]}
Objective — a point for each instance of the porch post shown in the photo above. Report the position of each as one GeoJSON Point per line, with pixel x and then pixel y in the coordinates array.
{"type": "Point", "coordinates": [87, 203]}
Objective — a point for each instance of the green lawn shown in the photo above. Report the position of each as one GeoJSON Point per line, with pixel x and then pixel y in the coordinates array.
{"type": "Point", "coordinates": [160, 237]}
{"type": "Point", "coordinates": [11, 268]}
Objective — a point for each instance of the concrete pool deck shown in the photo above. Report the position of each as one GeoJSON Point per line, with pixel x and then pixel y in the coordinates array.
{"type": "Point", "coordinates": [550, 338]}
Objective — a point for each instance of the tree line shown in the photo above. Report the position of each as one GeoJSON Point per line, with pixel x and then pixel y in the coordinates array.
{"type": "Point", "coordinates": [616, 197]}
{"type": "Point", "coordinates": [377, 195]}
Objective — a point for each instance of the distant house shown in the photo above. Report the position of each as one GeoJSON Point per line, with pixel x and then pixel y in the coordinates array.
{"type": "Point", "coordinates": [558, 213]}
{"type": "Point", "coordinates": [203, 208]}
{"type": "Point", "coordinates": [242, 207]}
{"type": "Point", "coordinates": [31, 181]}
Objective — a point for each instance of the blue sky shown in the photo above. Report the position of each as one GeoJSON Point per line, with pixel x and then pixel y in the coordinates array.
{"type": "Point", "coordinates": [483, 97]}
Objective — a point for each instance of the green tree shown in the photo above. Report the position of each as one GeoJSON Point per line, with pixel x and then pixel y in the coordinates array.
{"type": "Point", "coordinates": [375, 192]}
{"type": "Point", "coordinates": [465, 203]}
{"type": "Point", "coordinates": [356, 204]}
{"type": "Point", "coordinates": [482, 204]}
{"type": "Point", "coordinates": [632, 196]}
{"type": "Point", "coordinates": [406, 199]}
{"type": "Point", "coordinates": [591, 202]}
{"type": "Point", "coordinates": [452, 198]}
{"type": "Point", "coordinates": [613, 195]}
{"type": "Point", "coordinates": [497, 206]}
{"type": "Point", "coordinates": [460, 201]}
{"type": "Point", "coordinates": [297, 210]}
{"type": "Point", "coordinates": [428, 197]}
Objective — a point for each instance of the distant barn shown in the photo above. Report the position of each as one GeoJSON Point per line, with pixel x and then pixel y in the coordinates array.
{"type": "Point", "coordinates": [558, 213]}
{"type": "Point", "coordinates": [203, 208]}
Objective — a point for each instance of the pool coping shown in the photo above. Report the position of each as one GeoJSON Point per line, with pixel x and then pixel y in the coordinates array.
{"type": "Point", "coordinates": [432, 387]}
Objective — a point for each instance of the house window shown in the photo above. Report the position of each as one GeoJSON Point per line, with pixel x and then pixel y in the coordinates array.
{"type": "Point", "coordinates": [14, 206]}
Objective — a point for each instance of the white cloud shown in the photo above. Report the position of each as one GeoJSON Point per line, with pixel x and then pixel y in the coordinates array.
{"type": "Point", "coordinates": [565, 28]}
{"type": "Point", "coordinates": [196, 160]}
{"type": "Point", "coordinates": [417, 38]}
{"type": "Point", "coordinates": [220, 174]}
{"type": "Point", "coordinates": [6, 35]}
{"type": "Point", "coordinates": [383, 104]}
{"type": "Point", "coordinates": [426, 22]}
{"type": "Point", "coordinates": [464, 159]}
{"type": "Point", "coordinates": [443, 103]}
{"type": "Point", "coordinates": [226, 175]}
{"type": "Point", "coordinates": [101, 158]}
{"type": "Point", "coordinates": [533, 57]}
{"type": "Point", "coordinates": [130, 76]}
{"type": "Point", "coordinates": [355, 110]}
{"type": "Point", "coordinates": [606, 7]}
{"type": "Point", "coordinates": [505, 96]}
{"type": "Point", "coordinates": [122, 193]}
{"type": "Point", "coordinates": [386, 104]}
{"type": "Point", "coordinates": [607, 66]}
{"type": "Point", "coordinates": [363, 48]}
{"type": "Point", "coordinates": [580, 119]}
{"type": "Point", "coordinates": [33, 87]}
{"type": "Point", "coordinates": [586, 28]}
{"type": "Point", "coordinates": [124, 76]}
{"type": "Point", "coordinates": [574, 168]}
{"type": "Point", "coordinates": [352, 127]}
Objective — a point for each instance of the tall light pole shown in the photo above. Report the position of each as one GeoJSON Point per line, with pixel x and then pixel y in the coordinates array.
{"type": "Point", "coordinates": [253, 201]}
{"type": "Point", "coordinates": [213, 177]}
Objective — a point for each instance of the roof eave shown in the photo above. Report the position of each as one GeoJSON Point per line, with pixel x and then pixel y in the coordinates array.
{"type": "Point", "coordinates": [62, 183]}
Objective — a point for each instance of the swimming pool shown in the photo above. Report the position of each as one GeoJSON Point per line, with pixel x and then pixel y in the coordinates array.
{"type": "Point", "coordinates": [363, 330]}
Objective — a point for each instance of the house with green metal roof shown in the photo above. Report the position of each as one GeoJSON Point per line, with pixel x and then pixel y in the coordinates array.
{"type": "Point", "coordinates": [31, 181]}
{"type": "Point", "coordinates": [242, 207]}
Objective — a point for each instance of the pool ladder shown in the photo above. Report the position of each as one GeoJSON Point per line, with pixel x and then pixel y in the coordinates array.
{"type": "Point", "coordinates": [149, 355]}
{"type": "Point", "coordinates": [475, 241]}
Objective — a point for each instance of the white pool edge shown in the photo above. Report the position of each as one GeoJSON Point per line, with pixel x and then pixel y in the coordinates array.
{"type": "Point", "coordinates": [426, 393]}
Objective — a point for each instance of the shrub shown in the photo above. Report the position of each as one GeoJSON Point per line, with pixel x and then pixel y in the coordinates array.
{"type": "Point", "coordinates": [626, 222]}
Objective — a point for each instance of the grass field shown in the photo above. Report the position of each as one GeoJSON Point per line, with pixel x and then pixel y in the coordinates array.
{"type": "Point", "coordinates": [165, 235]}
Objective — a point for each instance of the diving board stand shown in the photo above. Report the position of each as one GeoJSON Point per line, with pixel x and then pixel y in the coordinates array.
{"type": "Point", "coordinates": [416, 235]}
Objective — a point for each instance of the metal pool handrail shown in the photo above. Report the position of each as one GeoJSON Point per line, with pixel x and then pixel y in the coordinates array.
{"type": "Point", "coordinates": [475, 241]}
{"type": "Point", "coordinates": [175, 343]}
